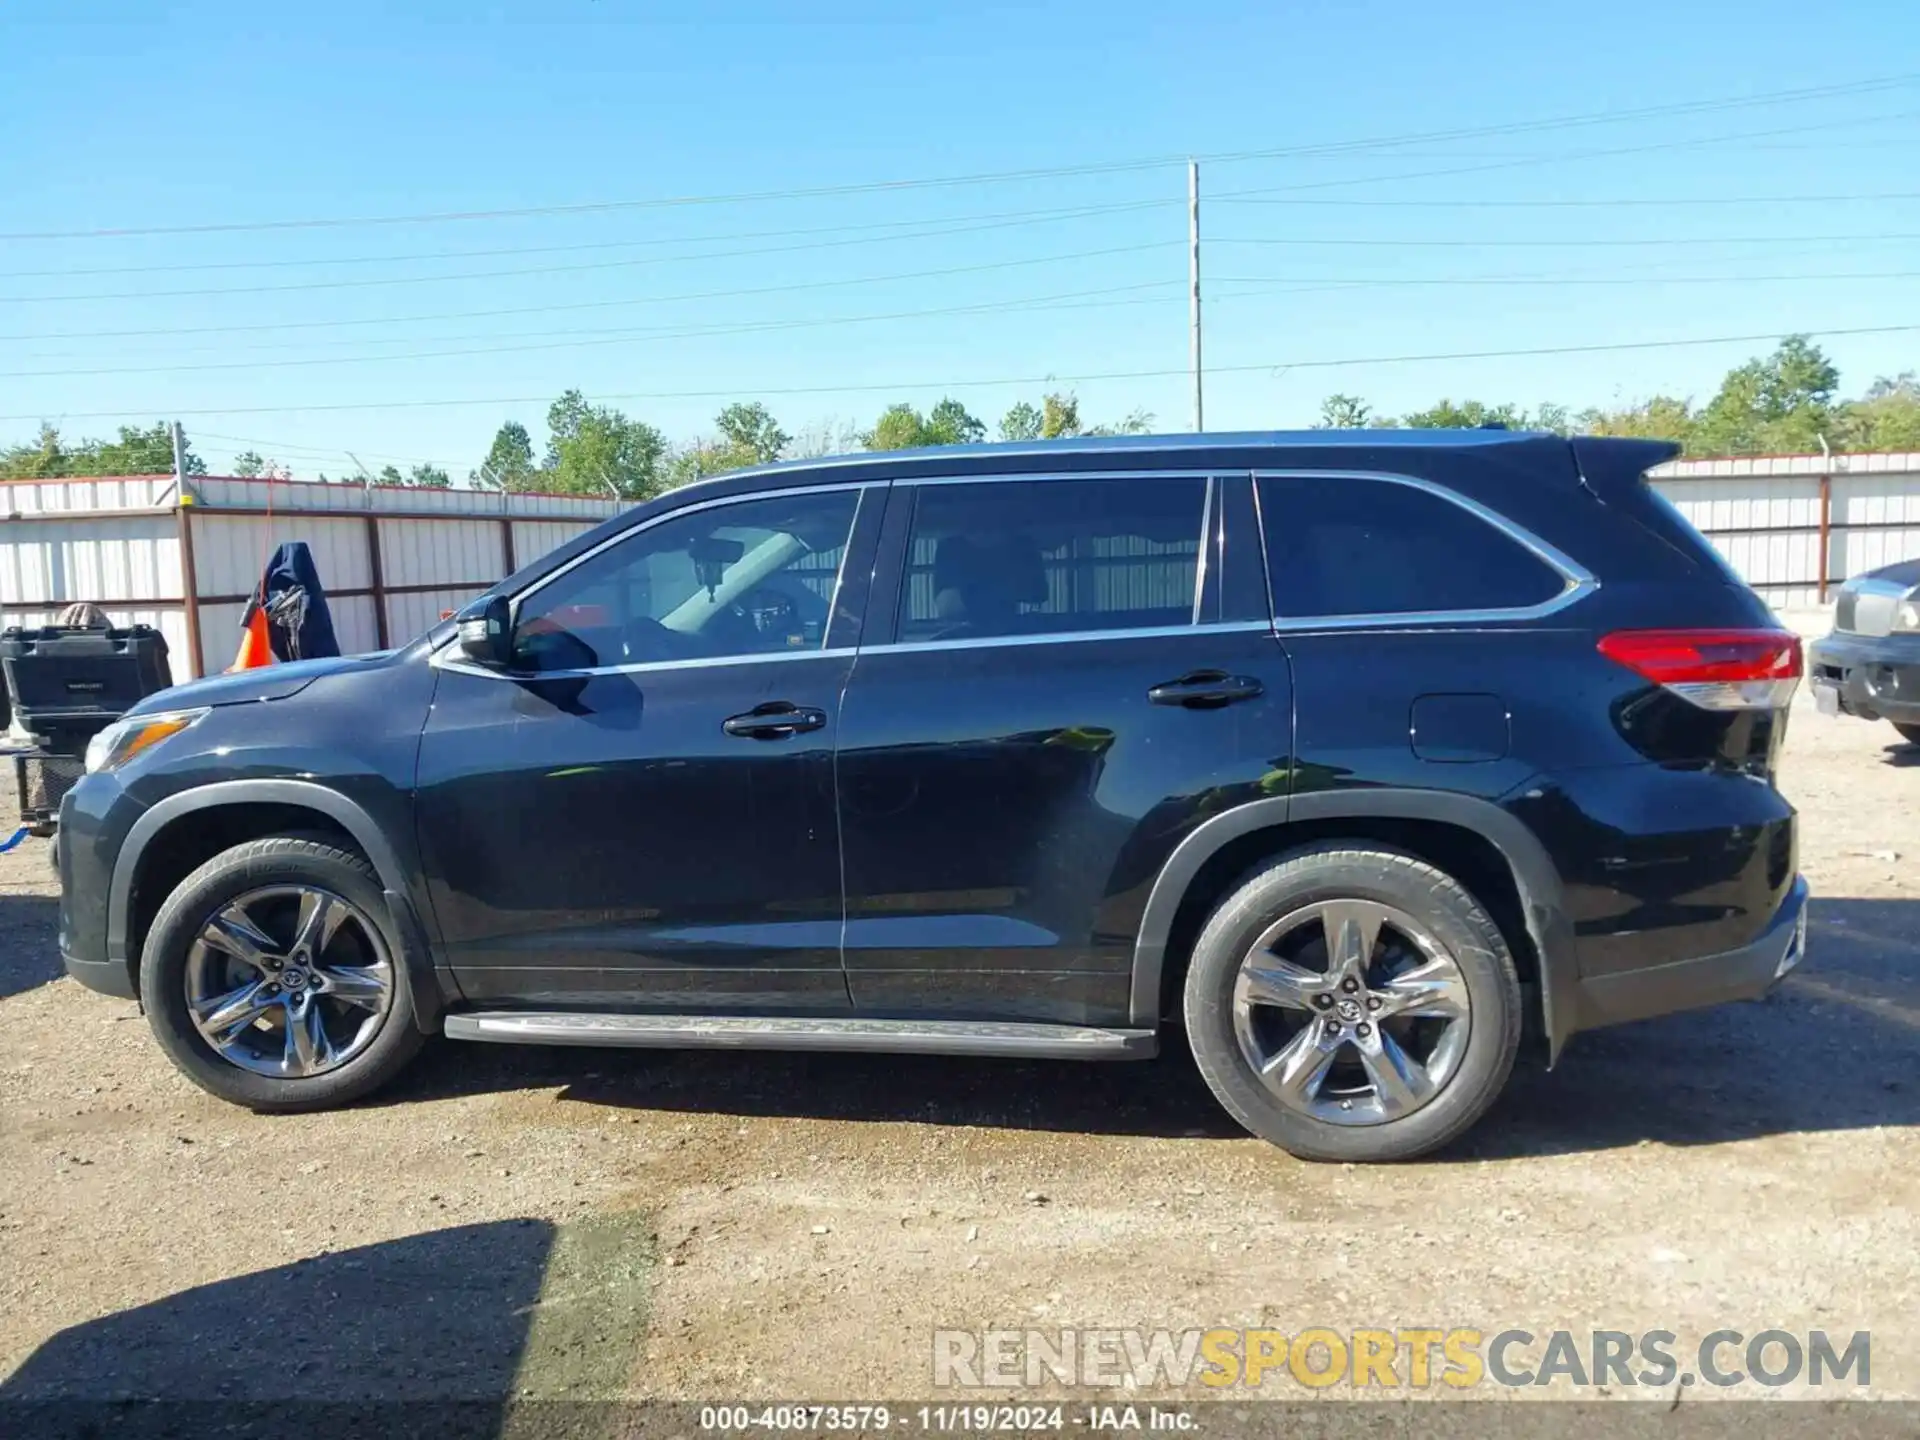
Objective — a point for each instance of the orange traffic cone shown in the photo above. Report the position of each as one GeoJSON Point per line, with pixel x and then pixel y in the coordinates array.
{"type": "Point", "coordinates": [255, 649]}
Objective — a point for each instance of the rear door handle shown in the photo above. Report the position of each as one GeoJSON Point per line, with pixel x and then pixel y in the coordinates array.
{"type": "Point", "coordinates": [1206, 690]}
{"type": "Point", "coordinates": [775, 720]}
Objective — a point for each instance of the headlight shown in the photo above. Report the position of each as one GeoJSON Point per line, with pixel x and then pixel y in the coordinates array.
{"type": "Point", "coordinates": [124, 739]}
{"type": "Point", "coordinates": [1906, 615]}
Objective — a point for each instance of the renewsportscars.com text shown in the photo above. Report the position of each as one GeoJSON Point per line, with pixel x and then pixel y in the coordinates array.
{"type": "Point", "coordinates": [1399, 1359]}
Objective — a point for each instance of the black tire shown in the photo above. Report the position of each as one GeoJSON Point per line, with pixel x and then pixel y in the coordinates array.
{"type": "Point", "coordinates": [1908, 733]}
{"type": "Point", "coordinates": [1355, 871]}
{"type": "Point", "coordinates": [280, 860]}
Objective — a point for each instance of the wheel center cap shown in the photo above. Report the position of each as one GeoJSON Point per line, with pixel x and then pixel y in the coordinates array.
{"type": "Point", "coordinates": [293, 979]}
{"type": "Point", "coordinates": [1349, 1009]}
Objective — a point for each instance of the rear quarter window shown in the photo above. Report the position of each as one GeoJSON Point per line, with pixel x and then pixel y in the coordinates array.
{"type": "Point", "coordinates": [1349, 545]}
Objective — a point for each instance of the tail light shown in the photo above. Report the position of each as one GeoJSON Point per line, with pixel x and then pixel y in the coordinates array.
{"type": "Point", "coordinates": [1714, 669]}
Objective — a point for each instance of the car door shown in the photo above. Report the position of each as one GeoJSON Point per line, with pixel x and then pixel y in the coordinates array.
{"type": "Point", "coordinates": [1063, 675]}
{"type": "Point", "coordinates": [640, 813]}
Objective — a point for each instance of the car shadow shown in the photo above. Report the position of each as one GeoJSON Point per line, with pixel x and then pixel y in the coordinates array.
{"type": "Point", "coordinates": [1836, 1048]}
{"type": "Point", "coordinates": [1900, 755]}
{"type": "Point", "coordinates": [29, 942]}
{"type": "Point", "coordinates": [435, 1325]}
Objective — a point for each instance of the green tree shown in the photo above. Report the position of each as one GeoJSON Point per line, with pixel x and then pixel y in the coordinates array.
{"type": "Point", "coordinates": [752, 433]}
{"type": "Point", "coordinates": [596, 450]}
{"type": "Point", "coordinates": [1021, 422]}
{"type": "Point", "coordinates": [1663, 417]}
{"type": "Point", "coordinates": [749, 435]}
{"type": "Point", "coordinates": [1887, 417]}
{"type": "Point", "coordinates": [901, 427]}
{"type": "Point", "coordinates": [509, 463]}
{"type": "Point", "coordinates": [146, 451]}
{"type": "Point", "coordinates": [1775, 404]}
{"type": "Point", "coordinates": [950, 423]}
{"type": "Point", "coordinates": [426, 477]}
{"type": "Point", "coordinates": [1345, 412]}
{"type": "Point", "coordinates": [1468, 415]}
{"type": "Point", "coordinates": [135, 451]}
{"type": "Point", "coordinates": [248, 464]}
{"type": "Point", "coordinates": [1060, 416]}
{"type": "Point", "coordinates": [43, 458]}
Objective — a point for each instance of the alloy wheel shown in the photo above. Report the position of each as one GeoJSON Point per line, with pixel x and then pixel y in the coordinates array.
{"type": "Point", "coordinates": [1351, 1011]}
{"type": "Point", "coordinates": [289, 981]}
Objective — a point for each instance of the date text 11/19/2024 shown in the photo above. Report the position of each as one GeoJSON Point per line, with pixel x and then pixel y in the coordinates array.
{"type": "Point", "coordinates": [944, 1419]}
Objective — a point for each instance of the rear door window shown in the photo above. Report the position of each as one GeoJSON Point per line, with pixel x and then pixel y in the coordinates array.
{"type": "Point", "coordinates": [1041, 557]}
{"type": "Point", "coordinates": [1341, 545]}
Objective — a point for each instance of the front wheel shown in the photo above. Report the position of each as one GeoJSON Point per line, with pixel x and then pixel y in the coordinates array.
{"type": "Point", "coordinates": [1908, 733]}
{"type": "Point", "coordinates": [1353, 1003]}
{"type": "Point", "coordinates": [273, 979]}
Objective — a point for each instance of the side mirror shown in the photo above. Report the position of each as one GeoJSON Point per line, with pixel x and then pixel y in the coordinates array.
{"type": "Point", "coordinates": [486, 632]}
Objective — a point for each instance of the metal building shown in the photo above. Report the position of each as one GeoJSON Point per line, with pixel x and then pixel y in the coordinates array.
{"type": "Point", "coordinates": [184, 560]}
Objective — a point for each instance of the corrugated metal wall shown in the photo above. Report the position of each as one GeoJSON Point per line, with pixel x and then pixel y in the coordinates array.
{"type": "Point", "coordinates": [1765, 515]}
{"type": "Point", "coordinates": [117, 542]}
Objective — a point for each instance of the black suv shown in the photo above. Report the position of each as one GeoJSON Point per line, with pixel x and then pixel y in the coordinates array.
{"type": "Point", "coordinates": [1355, 755]}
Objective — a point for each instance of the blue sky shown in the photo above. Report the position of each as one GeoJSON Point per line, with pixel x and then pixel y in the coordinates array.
{"type": "Point", "coordinates": [320, 339]}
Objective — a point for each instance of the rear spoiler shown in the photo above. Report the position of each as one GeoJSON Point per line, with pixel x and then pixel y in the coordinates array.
{"type": "Point", "coordinates": [1611, 466]}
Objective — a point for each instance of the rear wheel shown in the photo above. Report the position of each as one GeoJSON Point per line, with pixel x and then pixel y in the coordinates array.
{"type": "Point", "coordinates": [1353, 1003]}
{"type": "Point", "coordinates": [272, 977]}
{"type": "Point", "coordinates": [1908, 733]}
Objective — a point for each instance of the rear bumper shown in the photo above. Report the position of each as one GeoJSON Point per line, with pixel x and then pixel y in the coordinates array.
{"type": "Point", "coordinates": [1875, 677]}
{"type": "Point", "coordinates": [1743, 974]}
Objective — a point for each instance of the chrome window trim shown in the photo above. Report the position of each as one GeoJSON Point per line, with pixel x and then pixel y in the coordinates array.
{"type": "Point", "coordinates": [1014, 477]}
{"type": "Point", "coordinates": [442, 654]}
{"type": "Point", "coordinates": [445, 659]}
{"type": "Point", "coordinates": [1206, 544]}
{"type": "Point", "coordinates": [1067, 637]}
{"type": "Point", "coordinates": [1578, 581]}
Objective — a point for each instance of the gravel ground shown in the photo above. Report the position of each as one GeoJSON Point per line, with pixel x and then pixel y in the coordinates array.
{"type": "Point", "coordinates": [725, 1225]}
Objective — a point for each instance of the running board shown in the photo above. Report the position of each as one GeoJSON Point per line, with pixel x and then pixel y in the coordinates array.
{"type": "Point", "coordinates": [749, 1032]}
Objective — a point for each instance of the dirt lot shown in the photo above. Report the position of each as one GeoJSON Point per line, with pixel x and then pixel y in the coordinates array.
{"type": "Point", "coordinates": [719, 1225]}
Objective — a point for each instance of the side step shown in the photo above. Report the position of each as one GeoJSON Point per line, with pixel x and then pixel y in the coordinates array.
{"type": "Point", "coordinates": [750, 1032]}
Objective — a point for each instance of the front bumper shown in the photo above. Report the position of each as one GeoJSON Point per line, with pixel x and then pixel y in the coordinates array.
{"type": "Point", "coordinates": [94, 817]}
{"type": "Point", "coordinates": [1876, 677]}
{"type": "Point", "coordinates": [1743, 974]}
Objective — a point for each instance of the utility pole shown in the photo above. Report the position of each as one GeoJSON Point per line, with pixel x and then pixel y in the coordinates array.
{"type": "Point", "coordinates": [1193, 274]}
{"type": "Point", "coordinates": [179, 458]}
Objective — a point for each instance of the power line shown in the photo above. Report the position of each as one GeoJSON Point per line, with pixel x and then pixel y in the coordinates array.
{"type": "Point", "coordinates": [274, 449]}
{"type": "Point", "coordinates": [518, 345]}
{"type": "Point", "coordinates": [607, 304]}
{"type": "Point", "coordinates": [1053, 378]}
{"type": "Point", "coordinates": [1294, 288]}
{"type": "Point", "coordinates": [1346, 147]}
{"type": "Point", "coordinates": [960, 224]}
{"type": "Point", "coordinates": [1087, 299]}
{"type": "Point", "coordinates": [1637, 241]}
{"type": "Point", "coordinates": [1551, 159]}
{"type": "Point", "coordinates": [1618, 203]}
{"type": "Point", "coordinates": [389, 280]}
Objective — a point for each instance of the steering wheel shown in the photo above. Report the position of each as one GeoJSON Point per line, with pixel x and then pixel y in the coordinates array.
{"type": "Point", "coordinates": [762, 619]}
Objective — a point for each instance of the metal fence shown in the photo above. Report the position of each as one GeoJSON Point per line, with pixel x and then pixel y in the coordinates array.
{"type": "Point", "coordinates": [393, 559]}
{"type": "Point", "coordinates": [1798, 526]}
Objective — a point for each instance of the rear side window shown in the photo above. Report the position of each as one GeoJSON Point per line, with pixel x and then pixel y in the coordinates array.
{"type": "Point", "coordinates": [1345, 545]}
{"type": "Point", "coordinates": [1039, 557]}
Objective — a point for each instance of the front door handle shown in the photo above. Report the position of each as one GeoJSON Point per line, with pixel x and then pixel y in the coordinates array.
{"type": "Point", "coordinates": [1205, 690]}
{"type": "Point", "coordinates": [775, 720]}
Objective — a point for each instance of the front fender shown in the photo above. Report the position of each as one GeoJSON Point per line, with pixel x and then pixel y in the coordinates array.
{"type": "Point", "coordinates": [341, 809]}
